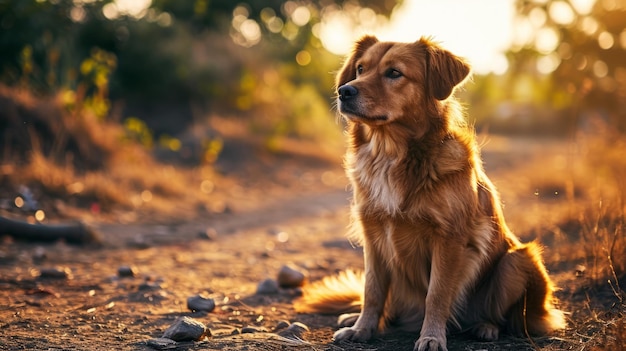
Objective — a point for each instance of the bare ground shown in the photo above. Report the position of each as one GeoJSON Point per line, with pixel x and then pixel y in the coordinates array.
{"type": "Point", "coordinates": [299, 220]}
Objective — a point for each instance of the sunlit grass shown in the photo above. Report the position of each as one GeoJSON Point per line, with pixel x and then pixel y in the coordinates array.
{"type": "Point", "coordinates": [570, 195]}
{"type": "Point", "coordinates": [81, 165]}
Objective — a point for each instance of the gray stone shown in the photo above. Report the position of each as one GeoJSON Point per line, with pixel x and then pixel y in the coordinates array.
{"type": "Point", "coordinates": [250, 329]}
{"type": "Point", "coordinates": [161, 343]}
{"type": "Point", "coordinates": [200, 303]}
{"type": "Point", "coordinates": [55, 273]}
{"type": "Point", "coordinates": [282, 325]}
{"type": "Point", "coordinates": [289, 277]}
{"type": "Point", "coordinates": [125, 271]}
{"type": "Point", "coordinates": [267, 287]}
{"type": "Point", "coordinates": [187, 329]}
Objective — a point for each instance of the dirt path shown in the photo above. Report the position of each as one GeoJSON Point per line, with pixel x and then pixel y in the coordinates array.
{"type": "Point", "coordinates": [88, 304]}
{"type": "Point", "coordinates": [223, 257]}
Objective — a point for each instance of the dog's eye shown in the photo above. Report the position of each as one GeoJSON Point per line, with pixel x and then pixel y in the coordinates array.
{"type": "Point", "coordinates": [359, 69]}
{"type": "Point", "coordinates": [393, 73]}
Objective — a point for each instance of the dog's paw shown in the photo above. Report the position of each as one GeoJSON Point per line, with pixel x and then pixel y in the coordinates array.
{"type": "Point", "coordinates": [347, 319]}
{"type": "Point", "coordinates": [353, 334]}
{"type": "Point", "coordinates": [429, 343]}
{"type": "Point", "coordinates": [486, 331]}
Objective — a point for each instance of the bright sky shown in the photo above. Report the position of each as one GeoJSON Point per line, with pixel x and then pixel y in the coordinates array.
{"type": "Point", "coordinates": [479, 30]}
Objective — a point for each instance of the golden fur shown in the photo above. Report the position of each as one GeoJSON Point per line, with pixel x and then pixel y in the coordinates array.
{"type": "Point", "coordinates": [437, 251]}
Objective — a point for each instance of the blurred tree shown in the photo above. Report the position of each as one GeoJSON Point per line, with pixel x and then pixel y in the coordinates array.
{"type": "Point", "coordinates": [172, 54]}
{"type": "Point", "coordinates": [35, 37]}
{"type": "Point", "coordinates": [580, 46]}
{"type": "Point", "coordinates": [211, 14]}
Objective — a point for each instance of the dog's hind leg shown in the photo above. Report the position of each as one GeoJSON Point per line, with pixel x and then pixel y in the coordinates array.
{"type": "Point", "coordinates": [518, 296]}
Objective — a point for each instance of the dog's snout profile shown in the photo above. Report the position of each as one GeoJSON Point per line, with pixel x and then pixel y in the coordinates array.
{"type": "Point", "coordinates": [347, 92]}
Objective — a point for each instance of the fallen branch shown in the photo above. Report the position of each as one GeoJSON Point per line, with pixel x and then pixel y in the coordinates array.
{"type": "Point", "coordinates": [74, 233]}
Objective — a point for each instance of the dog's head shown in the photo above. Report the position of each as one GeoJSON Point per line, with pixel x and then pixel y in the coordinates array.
{"type": "Point", "coordinates": [382, 82]}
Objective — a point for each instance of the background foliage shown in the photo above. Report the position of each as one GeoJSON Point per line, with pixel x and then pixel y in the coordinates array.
{"type": "Point", "coordinates": [567, 67]}
{"type": "Point", "coordinates": [175, 62]}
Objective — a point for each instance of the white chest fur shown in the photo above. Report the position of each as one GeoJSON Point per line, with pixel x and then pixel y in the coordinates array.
{"type": "Point", "coordinates": [374, 173]}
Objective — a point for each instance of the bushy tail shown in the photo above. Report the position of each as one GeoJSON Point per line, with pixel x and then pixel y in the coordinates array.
{"type": "Point", "coordinates": [535, 312]}
{"type": "Point", "coordinates": [342, 293]}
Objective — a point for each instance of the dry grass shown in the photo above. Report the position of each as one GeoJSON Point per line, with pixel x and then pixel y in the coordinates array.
{"type": "Point", "coordinates": [79, 165]}
{"type": "Point", "coordinates": [571, 195]}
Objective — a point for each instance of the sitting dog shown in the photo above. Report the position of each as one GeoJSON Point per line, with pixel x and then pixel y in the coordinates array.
{"type": "Point", "coordinates": [437, 251]}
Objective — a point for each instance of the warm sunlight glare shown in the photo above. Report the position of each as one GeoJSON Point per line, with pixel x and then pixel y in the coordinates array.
{"type": "Point", "coordinates": [562, 13]}
{"type": "Point", "coordinates": [134, 8]}
{"type": "Point", "coordinates": [479, 30]}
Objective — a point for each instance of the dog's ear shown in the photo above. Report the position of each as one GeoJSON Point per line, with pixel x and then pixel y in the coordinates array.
{"type": "Point", "coordinates": [445, 70]}
{"type": "Point", "coordinates": [348, 72]}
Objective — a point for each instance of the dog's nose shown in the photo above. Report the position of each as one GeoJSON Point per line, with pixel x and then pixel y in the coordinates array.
{"type": "Point", "coordinates": [347, 92]}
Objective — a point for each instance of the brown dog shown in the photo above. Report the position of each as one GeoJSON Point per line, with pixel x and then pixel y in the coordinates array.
{"type": "Point", "coordinates": [437, 251]}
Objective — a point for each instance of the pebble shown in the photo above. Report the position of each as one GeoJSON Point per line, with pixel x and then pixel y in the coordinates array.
{"type": "Point", "coordinates": [200, 303]}
{"type": "Point", "coordinates": [289, 277]}
{"type": "Point", "coordinates": [294, 331]}
{"type": "Point", "coordinates": [125, 271]}
{"type": "Point", "coordinates": [55, 273]}
{"type": "Point", "coordinates": [186, 329]}
{"type": "Point", "coordinates": [208, 234]}
{"type": "Point", "coordinates": [161, 343]}
{"type": "Point", "coordinates": [267, 287]}
{"type": "Point", "coordinates": [282, 325]}
{"type": "Point", "coordinates": [250, 330]}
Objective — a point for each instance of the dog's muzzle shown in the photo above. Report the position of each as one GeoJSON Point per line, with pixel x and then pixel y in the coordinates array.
{"type": "Point", "coordinates": [347, 92]}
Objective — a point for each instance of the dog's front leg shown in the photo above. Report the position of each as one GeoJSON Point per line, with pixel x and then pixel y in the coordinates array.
{"type": "Point", "coordinates": [443, 288]}
{"type": "Point", "coordinates": [375, 295]}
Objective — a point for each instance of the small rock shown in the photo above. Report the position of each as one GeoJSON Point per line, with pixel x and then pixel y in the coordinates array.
{"type": "Point", "coordinates": [289, 277]}
{"type": "Point", "coordinates": [250, 330]}
{"type": "Point", "coordinates": [208, 234]}
{"type": "Point", "coordinates": [161, 343]}
{"type": "Point", "coordinates": [267, 287]}
{"type": "Point", "coordinates": [186, 329]}
{"type": "Point", "coordinates": [55, 273]}
{"type": "Point", "coordinates": [126, 271]}
{"type": "Point", "coordinates": [294, 331]}
{"type": "Point", "coordinates": [282, 325]}
{"type": "Point", "coordinates": [200, 303]}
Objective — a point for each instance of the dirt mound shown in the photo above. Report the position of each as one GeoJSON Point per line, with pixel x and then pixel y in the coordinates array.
{"type": "Point", "coordinates": [43, 124]}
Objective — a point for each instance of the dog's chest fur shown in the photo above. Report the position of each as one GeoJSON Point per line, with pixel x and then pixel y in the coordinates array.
{"type": "Point", "coordinates": [399, 178]}
{"type": "Point", "coordinates": [375, 174]}
{"type": "Point", "coordinates": [399, 189]}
